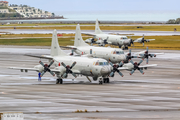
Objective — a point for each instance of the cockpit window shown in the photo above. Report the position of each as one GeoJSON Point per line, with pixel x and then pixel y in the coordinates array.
{"type": "Point", "coordinates": [101, 63]}
{"type": "Point", "coordinates": [118, 52]}
{"type": "Point", "coordinates": [124, 38]}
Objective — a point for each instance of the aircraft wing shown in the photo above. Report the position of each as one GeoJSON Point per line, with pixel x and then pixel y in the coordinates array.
{"type": "Point", "coordinates": [69, 47]}
{"type": "Point", "coordinates": [123, 68]}
{"type": "Point", "coordinates": [147, 66]}
{"type": "Point", "coordinates": [90, 34]}
{"type": "Point", "coordinates": [149, 40]}
{"type": "Point", "coordinates": [41, 56]}
{"type": "Point", "coordinates": [25, 69]}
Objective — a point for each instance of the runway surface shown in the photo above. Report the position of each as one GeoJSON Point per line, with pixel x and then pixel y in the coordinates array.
{"type": "Point", "coordinates": [155, 95]}
{"type": "Point", "coordinates": [136, 33]}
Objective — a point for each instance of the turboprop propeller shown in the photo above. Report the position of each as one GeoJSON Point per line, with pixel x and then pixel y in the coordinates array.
{"type": "Point", "coordinates": [131, 42]}
{"type": "Point", "coordinates": [46, 68]}
{"type": "Point", "coordinates": [115, 69]}
{"type": "Point", "coordinates": [147, 55]}
{"type": "Point", "coordinates": [68, 70]}
{"type": "Point", "coordinates": [129, 57]}
{"type": "Point", "coordinates": [136, 66]}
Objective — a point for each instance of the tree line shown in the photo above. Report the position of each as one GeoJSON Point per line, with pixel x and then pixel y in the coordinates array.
{"type": "Point", "coordinates": [174, 21]}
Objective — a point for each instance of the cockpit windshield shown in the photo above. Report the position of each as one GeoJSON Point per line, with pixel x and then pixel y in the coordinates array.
{"type": "Point", "coordinates": [124, 38]}
{"type": "Point", "coordinates": [101, 63]}
{"type": "Point", "coordinates": [118, 52]}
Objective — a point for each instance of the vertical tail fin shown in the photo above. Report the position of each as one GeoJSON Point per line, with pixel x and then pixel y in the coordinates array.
{"type": "Point", "coordinates": [55, 49]}
{"type": "Point", "coordinates": [97, 29]}
{"type": "Point", "coordinates": [78, 38]}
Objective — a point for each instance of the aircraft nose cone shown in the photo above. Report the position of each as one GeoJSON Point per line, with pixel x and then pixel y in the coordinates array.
{"type": "Point", "coordinates": [105, 70]}
{"type": "Point", "coordinates": [121, 58]}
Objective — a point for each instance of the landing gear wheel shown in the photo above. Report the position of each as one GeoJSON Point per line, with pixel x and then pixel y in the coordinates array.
{"type": "Point", "coordinates": [61, 81]}
{"type": "Point", "coordinates": [57, 81]}
{"type": "Point", "coordinates": [107, 80]}
{"type": "Point", "coordinates": [100, 82]}
{"type": "Point", "coordinates": [126, 48]}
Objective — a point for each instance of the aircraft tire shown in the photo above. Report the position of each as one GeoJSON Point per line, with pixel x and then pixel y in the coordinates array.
{"type": "Point", "coordinates": [61, 81]}
{"type": "Point", "coordinates": [57, 81]}
{"type": "Point", "coordinates": [100, 82]}
{"type": "Point", "coordinates": [107, 80]}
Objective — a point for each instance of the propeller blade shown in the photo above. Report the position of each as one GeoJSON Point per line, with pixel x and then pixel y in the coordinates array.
{"type": "Point", "coordinates": [63, 64]}
{"type": "Point", "coordinates": [51, 63]}
{"type": "Point", "coordinates": [147, 61]}
{"type": "Point", "coordinates": [132, 72]}
{"type": "Point", "coordinates": [41, 63]}
{"type": "Point", "coordinates": [64, 75]}
{"type": "Point", "coordinates": [42, 73]}
{"type": "Point", "coordinates": [51, 73]}
{"type": "Point", "coordinates": [91, 51]}
{"type": "Point", "coordinates": [140, 62]}
{"type": "Point", "coordinates": [130, 51]}
{"type": "Point", "coordinates": [131, 62]}
{"type": "Point", "coordinates": [74, 63]}
{"type": "Point", "coordinates": [74, 75]}
{"type": "Point", "coordinates": [141, 55]}
{"type": "Point", "coordinates": [120, 74]}
{"type": "Point", "coordinates": [141, 71]}
{"type": "Point", "coordinates": [121, 63]}
{"type": "Point", "coordinates": [72, 51]}
{"type": "Point", "coordinates": [111, 74]}
{"type": "Point", "coordinates": [143, 44]}
{"type": "Point", "coordinates": [111, 64]}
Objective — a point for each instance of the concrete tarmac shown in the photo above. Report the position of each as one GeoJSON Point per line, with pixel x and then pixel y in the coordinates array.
{"type": "Point", "coordinates": [154, 95]}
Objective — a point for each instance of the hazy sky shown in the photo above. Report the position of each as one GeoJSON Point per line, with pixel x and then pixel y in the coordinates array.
{"type": "Point", "coordinates": [102, 5]}
{"type": "Point", "coordinates": [133, 10]}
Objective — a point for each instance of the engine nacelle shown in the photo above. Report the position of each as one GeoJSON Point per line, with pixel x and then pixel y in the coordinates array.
{"type": "Point", "coordinates": [99, 41]}
{"type": "Point", "coordinates": [61, 70]}
{"type": "Point", "coordinates": [88, 40]}
{"type": "Point", "coordinates": [126, 42]}
{"type": "Point", "coordinates": [39, 67]}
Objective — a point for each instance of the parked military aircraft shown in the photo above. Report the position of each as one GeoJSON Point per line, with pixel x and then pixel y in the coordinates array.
{"type": "Point", "coordinates": [142, 40]}
{"type": "Point", "coordinates": [96, 68]}
{"type": "Point", "coordinates": [115, 55]}
{"type": "Point", "coordinates": [103, 39]}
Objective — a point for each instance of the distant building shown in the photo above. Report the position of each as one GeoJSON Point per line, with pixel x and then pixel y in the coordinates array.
{"type": "Point", "coordinates": [4, 11]}
{"type": "Point", "coordinates": [4, 3]}
{"type": "Point", "coordinates": [31, 12]}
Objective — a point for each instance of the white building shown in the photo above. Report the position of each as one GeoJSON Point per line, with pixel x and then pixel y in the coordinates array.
{"type": "Point", "coordinates": [31, 12]}
{"type": "Point", "coordinates": [4, 11]}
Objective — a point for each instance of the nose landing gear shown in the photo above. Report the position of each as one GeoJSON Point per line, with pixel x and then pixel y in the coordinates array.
{"type": "Point", "coordinates": [59, 81]}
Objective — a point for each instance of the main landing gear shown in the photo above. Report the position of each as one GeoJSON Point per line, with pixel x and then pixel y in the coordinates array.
{"type": "Point", "coordinates": [105, 80]}
{"type": "Point", "coordinates": [125, 48]}
{"type": "Point", "coordinates": [59, 81]}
